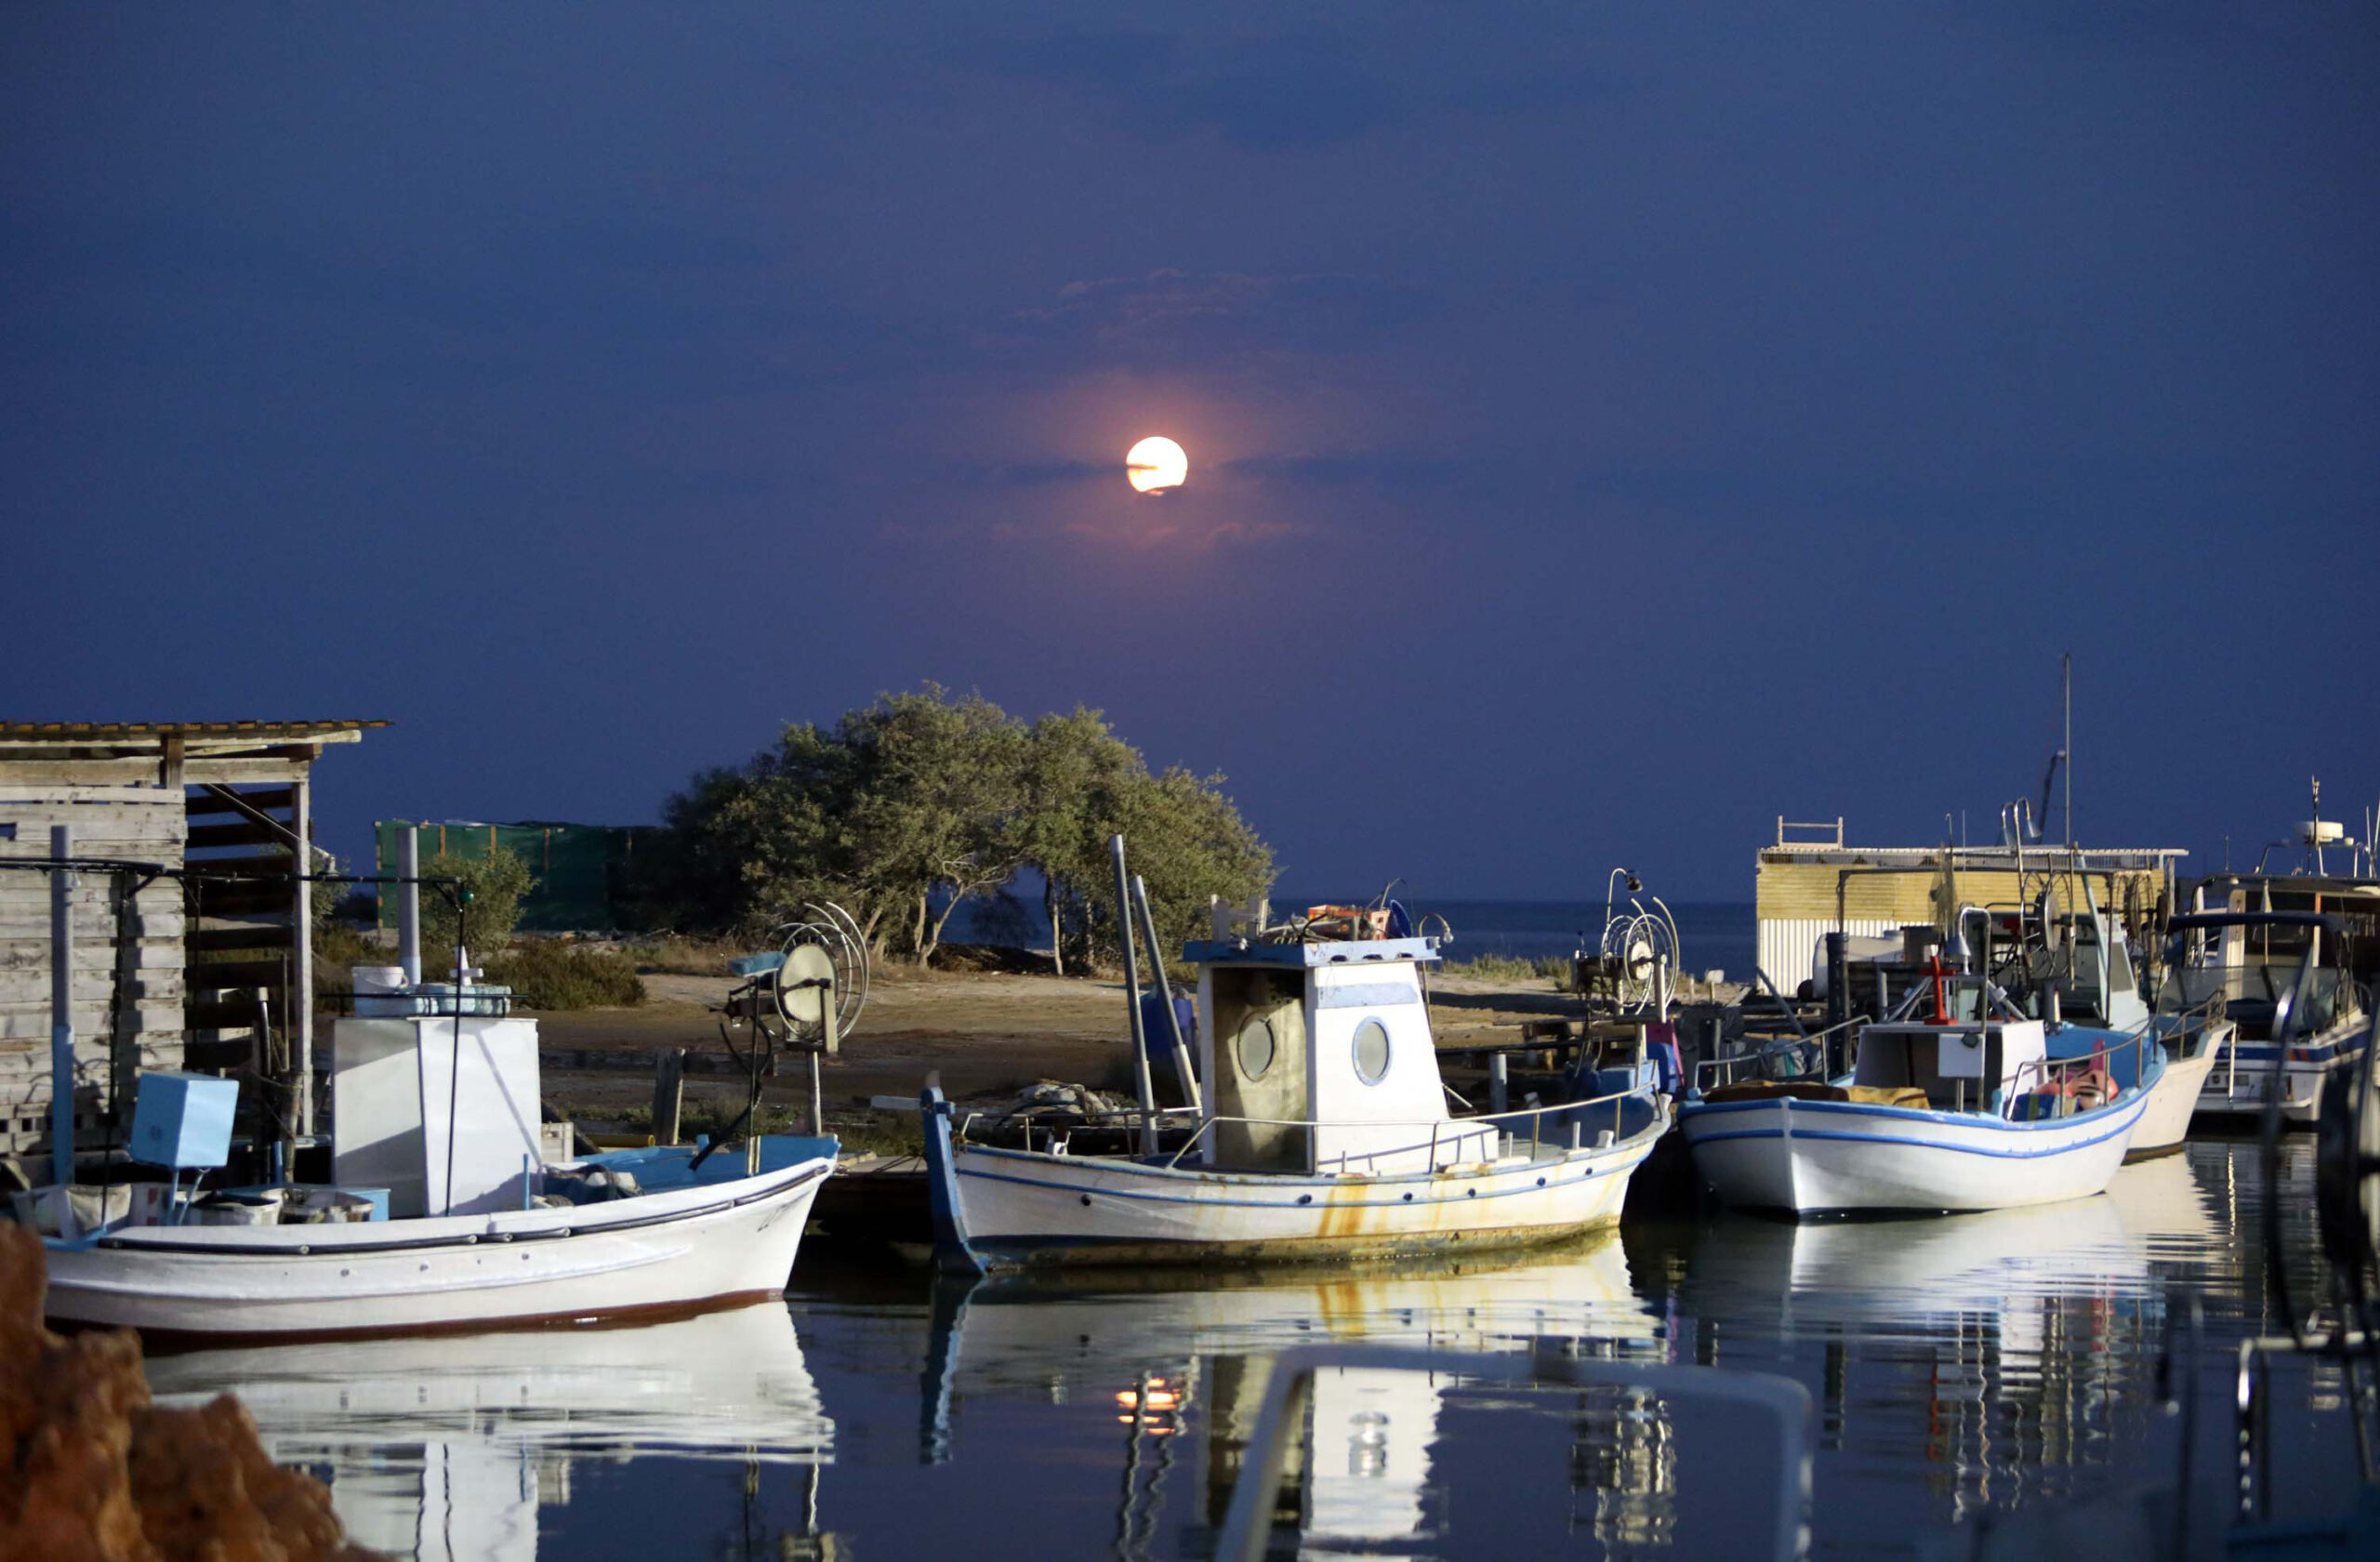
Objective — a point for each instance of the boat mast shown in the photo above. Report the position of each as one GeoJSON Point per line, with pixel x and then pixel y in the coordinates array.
{"type": "Point", "coordinates": [2065, 680]}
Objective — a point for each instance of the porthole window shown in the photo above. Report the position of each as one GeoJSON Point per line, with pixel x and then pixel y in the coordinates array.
{"type": "Point", "coordinates": [1256, 1047]}
{"type": "Point", "coordinates": [1371, 1051]}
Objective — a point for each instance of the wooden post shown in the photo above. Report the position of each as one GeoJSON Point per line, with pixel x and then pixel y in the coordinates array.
{"type": "Point", "coordinates": [61, 1013]}
{"type": "Point", "coordinates": [668, 1092]}
{"type": "Point", "coordinates": [299, 1021]}
{"type": "Point", "coordinates": [1497, 1090]}
{"type": "Point", "coordinates": [124, 1040]}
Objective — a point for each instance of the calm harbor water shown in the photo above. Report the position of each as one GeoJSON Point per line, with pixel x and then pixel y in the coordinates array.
{"type": "Point", "coordinates": [1959, 1367]}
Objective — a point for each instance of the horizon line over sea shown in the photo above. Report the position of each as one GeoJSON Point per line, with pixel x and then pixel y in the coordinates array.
{"type": "Point", "coordinates": [1713, 934]}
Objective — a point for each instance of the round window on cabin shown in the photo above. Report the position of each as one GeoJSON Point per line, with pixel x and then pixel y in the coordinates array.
{"type": "Point", "coordinates": [1371, 1051]}
{"type": "Point", "coordinates": [1256, 1048]}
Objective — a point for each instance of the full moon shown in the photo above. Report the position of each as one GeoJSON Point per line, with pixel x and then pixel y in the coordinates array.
{"type": "Point", "coordinates": [1157, 463]}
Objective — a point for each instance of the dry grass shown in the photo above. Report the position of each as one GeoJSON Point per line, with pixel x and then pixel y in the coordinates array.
{"type": "Point", "coordinates": [676, 955]}
{"type": "Point", "coordinates": [1492, 967]}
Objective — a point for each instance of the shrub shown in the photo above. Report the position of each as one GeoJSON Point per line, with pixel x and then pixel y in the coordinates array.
{"type": "Point", "coordinates": [550, 973]}
{"type": "Point", "coordinates": [495, 884]}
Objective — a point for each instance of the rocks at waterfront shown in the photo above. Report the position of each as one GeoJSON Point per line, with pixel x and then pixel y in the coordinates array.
{"type": "Point", "coordinates": [95, 1471]}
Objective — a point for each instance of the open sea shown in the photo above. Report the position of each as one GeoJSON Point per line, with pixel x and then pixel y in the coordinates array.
{"type": "Point", "coordinates": [1960, 1368]}
{"type": "Point", "coordinates": [1713, 935]}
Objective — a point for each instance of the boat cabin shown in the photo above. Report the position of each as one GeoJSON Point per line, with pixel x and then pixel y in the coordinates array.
{"type": "Point", "coordinates": [2087, 961]}
{"type": "Point", "coordinates": [2253, 967]}
{"type": "Point", "coordinates": [1317, 1057]}
{"type": "Point", "coordinates": [1962, 1066]}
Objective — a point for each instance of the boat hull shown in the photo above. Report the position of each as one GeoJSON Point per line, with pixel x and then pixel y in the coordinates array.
{"type": "Point", "coordinates": [2238, 1092]}
{"type": "Point", "coordinates": [1821, 1157]}
{"type": "Point", "coordinates": [673, 1252]}
{"type": "Point", "coordinates": [1029, 1209]}
{"type": "Point", "coordinates": [2171, 1102]}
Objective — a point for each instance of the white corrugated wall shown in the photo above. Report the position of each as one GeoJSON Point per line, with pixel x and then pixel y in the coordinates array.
{"type": "Point", "coordinates": [1788, 944]}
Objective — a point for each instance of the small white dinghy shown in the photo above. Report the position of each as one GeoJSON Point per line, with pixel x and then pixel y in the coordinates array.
{"type": "Point", "coordinates": [1937, 1114]}
{"type": "Point", "coordinates": [1322, 1131]}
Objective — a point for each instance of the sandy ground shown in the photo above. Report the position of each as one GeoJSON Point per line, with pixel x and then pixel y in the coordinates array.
{"type": "Point", "coordinates": [984, 1033]}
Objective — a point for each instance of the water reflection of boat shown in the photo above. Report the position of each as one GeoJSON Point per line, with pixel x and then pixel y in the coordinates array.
{"type": "Point", "coordinates": [1182, 1354]}
{"type": "Point", "coordinates": [1306, 1414]}
{"type": "Point", "coordinates": [2166, 1211]}
{"type": "Point", "coordinates": [1021, 1330]}
{"type": "Point", "coordinates": [447, 1447]}
{"type": "Point", "coordinates": [1982, 1262]}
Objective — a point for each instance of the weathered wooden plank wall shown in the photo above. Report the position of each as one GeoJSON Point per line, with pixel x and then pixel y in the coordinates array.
{"type": "Point", "coordinates": [128, 965]}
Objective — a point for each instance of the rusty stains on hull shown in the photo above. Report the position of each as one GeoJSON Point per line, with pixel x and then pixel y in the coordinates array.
{"type": "Point", "coordinates": [1323, 1248]}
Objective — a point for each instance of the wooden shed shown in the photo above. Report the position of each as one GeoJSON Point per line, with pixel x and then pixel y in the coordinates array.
{"type": "Point", "coordinates": [193, 948]}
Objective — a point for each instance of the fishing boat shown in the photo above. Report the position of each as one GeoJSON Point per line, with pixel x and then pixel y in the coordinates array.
{"type": "Point", "coordinates": [1319, 1129]}
{"type": "Point", "coordinates": [450, 1207]}
{"type": "Point", "coordinates": [2075, 971]}
{"type": "Point", "coordinates": [2286, 986]}
{"type": "Point", "coordinates": [704, 1245]}
{"type": "Point", "coordinates": [2064, 960]}
{"type": "Point", "coordinates": [1963, 1108]}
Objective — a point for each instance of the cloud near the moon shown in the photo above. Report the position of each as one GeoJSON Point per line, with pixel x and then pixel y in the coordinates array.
{"type": "Point", "coordinates": [1177, 317]}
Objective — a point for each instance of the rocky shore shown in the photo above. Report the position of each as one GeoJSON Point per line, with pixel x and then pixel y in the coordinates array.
{"type": "Point", "coordinates": [97, 1473]}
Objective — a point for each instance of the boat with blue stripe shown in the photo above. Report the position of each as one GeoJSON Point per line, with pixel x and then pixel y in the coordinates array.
{"type": "Point", "coordinates": [2285, 982]}
{"type": "Point", "coordinates": [1967, 1108]}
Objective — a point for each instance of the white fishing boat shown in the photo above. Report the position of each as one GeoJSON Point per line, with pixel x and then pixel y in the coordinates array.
{"type": "Point", "coordinates": [1322, 1130]}
{"type": "Point", "coordinates": [450, 1206]}
{"type": "Point", "coordinates": [2074, 969]}
{"type": "Point", "coordinates": [1939, 1113]}
{"type": "Point", "coordinates": [2192, 1043]}
{"type": "Point", "coordinates": [702, 1245]}
{"type": "Point", "coordinates": [2297, 1014]}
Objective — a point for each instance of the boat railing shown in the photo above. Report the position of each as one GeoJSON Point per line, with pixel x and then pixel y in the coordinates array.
{"type": "Point", "coordinates": [2058, 1076]}
{"type": "Point", "coordinates": [2196, 1019]}
{"type": "Point", "coordinates": [1813, 1049]}
{"type": "Point", "coordinates": [1447, 1132]}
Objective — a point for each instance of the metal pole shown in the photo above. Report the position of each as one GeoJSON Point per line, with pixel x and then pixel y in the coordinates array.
{"type": "Point", "coordinates": [829, 1010]}
{"type": "Point", "coordinates": [299, 1021]}
{"type": "Point", "coordinates": [61, 1010]}
{"type": "Point", "coordinates": [1132, 997]}
{"type": "Point", "coordinates": [1838, 980]}
{"type": "Point", "coordinates": [1189, 1076]}
{"type": "Point", "coordinates": [409, 902]}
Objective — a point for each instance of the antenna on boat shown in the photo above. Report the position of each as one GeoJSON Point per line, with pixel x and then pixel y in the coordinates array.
{"type": "Point", "coordinates": [2066, 681]}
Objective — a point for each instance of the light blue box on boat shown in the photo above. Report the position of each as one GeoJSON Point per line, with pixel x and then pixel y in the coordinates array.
{"type": "Point", "coordinates": [183, 1120]}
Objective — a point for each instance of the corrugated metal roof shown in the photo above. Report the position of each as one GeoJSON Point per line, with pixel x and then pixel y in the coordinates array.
{"type": "Point", "coordinates": [70, 731]}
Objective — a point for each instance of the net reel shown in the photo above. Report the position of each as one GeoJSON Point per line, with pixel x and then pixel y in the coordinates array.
{"type": "Point", "coordinates": [1638, 952]}
{"type": "Point", "coordinates": [806, 998]}
{"type": "Point", "coordinates": [824, 952]}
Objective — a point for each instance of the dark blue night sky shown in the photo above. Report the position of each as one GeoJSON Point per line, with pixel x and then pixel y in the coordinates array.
{"type": "Point", "coordinates": [1610, 426]}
